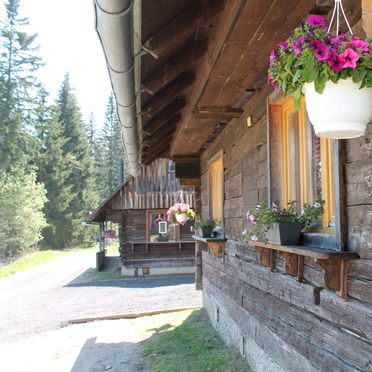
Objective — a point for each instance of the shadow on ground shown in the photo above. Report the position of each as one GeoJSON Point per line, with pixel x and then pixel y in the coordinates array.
{"type": "Point", "coordinates": [96, 356]}
{"type": "Point", "coordinates": [85, 280]}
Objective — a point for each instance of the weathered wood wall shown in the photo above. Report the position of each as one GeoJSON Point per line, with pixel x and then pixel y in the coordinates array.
{"type": "Point", "coordinates": [274, 310]}
{"type": "Point", "coordinates": [133, 229]}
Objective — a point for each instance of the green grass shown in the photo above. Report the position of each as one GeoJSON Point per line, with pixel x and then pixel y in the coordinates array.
{"type": "Point", "coordinates": [194, 346]}
{"type": "Point", "coordinates": [37, 258]}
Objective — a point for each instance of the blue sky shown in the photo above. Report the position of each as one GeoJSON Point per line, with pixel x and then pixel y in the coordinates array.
{"type": "Point", "coordinates": [68, 42]}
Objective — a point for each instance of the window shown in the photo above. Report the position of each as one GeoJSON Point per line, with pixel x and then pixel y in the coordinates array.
{"type": "Point", "coordinates": [216, 195]}
{"type": "Point", "coordinates": [307, 164]}
{"type": "Point", "coordinates": [158, 228]}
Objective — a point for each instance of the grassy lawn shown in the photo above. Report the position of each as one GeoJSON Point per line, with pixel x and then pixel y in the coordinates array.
{"type": "Point", "coordinates": [191, 346]}
{"type": "Point", "coordinates": [37, 258]}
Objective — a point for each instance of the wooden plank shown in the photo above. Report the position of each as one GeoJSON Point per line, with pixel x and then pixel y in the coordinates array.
{"type": "Point", "coordinates": [167, 94]}
{"type": "Point", "coordinates": [172, 34]}
{"type": "Point", "coordinates": [168, 127]}
{"type": "Point", "coordinates": [162, 118]}
{"type": "Point", "coordinates": [174, 67]}
{"type": "Point", "coordinates": [217, 113]}
{"type": "Point", "coordinates": [318, 253]}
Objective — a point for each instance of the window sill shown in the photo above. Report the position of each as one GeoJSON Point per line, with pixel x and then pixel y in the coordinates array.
{"type": "Point", "coordinates": [215, 245]}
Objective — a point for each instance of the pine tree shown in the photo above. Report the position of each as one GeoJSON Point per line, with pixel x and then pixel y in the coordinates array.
{"type": "Point", "coordinates": [76, 150]}
{"type": "Point", "coordinates": [18, 64]}
{"type": "Point", "coordinates": [54, 170]}
{"type": "Point", "coordinates": [113, 148]}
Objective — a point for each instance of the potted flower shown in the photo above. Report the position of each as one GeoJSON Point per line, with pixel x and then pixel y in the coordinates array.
{"type": "Point", "coordinates": [280, 225]}
{"type": "Point", "coordinates": [334, 72]}
{"type": "Point", "coordinates": [180, 213]}
{"type": "Point", "coordinates": [205, 227]}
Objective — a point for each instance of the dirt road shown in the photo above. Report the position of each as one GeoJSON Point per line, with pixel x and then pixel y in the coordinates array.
{"type": "Point", "coordinates": [46, 297]}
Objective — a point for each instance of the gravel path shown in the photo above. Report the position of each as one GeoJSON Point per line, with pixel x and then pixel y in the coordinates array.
{"type": "Point", "coordinates": [46, 297]}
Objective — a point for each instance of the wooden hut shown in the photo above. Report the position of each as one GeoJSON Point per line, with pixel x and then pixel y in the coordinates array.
{"type": "Point", "coordinates": [205, 104]}
{"type": "Point", "coordinates": [149, 245]}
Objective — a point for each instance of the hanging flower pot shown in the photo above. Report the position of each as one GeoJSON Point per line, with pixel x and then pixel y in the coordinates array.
{"type": "Point", "coordinates": [341, 111]}
{"type": "Point", "coordinates": [180, 213]}
{"type": "Point", "coordinates": [332, 71]}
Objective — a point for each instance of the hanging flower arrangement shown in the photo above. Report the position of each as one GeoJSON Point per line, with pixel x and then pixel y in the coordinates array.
{"type": "Point", "coordinates": [180, 213]}
{"type": "Point", "coordinates": [312, 61]}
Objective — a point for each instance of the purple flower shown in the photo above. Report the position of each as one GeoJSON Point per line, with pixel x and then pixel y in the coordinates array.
{"type": "Point", "coordinates": [317, 21]}
{"type": "Point", "coordinates": [350, 58]}
{"type": "Point", "coordinates": [335, 62]}
{"type": "Point", "coordinates": [273, 83]}
{"type": "Point", "coordinates": [273, 57]}
{"type": "Point", "coordinates": [297, 45]}
{"type": "Point", "coordinates": [283, 44]}
{"type": "Point", "coordinates": [321, 51]}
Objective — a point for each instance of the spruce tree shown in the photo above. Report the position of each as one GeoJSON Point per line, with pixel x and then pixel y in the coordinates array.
{"type": "Point", "coordinates": [18, 83]}
{"type": "Point", "coordinates": [113, 148]}
{"type": "Point", "coordinates": [54, 171]}
{"type": "Point", "coordinates": [76, 150]}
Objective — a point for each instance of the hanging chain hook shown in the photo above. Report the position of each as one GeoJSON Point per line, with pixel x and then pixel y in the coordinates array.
{"type": "Point", "coordinates": [336, 12]}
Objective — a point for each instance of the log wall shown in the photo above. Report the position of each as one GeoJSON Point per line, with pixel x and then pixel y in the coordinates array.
{"type": "Point", "coordinates": [250, 305]}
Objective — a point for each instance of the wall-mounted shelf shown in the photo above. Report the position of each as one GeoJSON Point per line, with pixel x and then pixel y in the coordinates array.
{"type": "Point", "coordinates": [334, 263]}
{"type": "Point", "coordinates": [215, 245]}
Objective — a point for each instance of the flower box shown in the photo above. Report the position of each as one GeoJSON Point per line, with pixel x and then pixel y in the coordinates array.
{"type": "Point", "coordinates": [284, 233]}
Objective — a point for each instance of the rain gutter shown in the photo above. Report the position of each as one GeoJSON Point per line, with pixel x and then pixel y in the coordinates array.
{"type": "Point", "coordinates": [119, 30]}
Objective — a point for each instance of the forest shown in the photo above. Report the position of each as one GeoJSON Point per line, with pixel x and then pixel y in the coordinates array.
{"type": "Point", "coordinates": [54, 167]}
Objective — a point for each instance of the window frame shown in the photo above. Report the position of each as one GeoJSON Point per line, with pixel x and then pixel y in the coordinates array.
{"type": "Point", "coordinates": [326, 153]}
{"type": "Point", "coordinates": [213, 162]}
{"type": "Point", "coordinates": [150, 212]}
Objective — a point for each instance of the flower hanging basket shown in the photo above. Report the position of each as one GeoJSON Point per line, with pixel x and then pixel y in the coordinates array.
{"type": "Point", "coordinates": [343, 110]}
{"type": "Point", "coordinates": [180, 213]}
{"type": "Point", "coordinates": [333, 71]}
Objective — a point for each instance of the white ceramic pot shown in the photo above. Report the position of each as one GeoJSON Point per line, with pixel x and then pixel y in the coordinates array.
{"type": "Point", "coordinates": [181, 217]}
{"type": "Point", "coordinates": [341, 111]}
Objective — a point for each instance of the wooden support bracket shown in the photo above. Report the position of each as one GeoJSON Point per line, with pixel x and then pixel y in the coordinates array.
{"type": "Point", "coordinates": [335, 264]}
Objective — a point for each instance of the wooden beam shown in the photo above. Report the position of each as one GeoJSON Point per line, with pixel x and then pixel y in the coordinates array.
{"type": "Point", "coordinates": [179, 29]}
{"type": "Point", "coordinates": [174, 67]}
{"type": "Point", "coordinates": [167, 94]}
{"type": "Point", "coordinates": [169, 126]}
{"type": "Point", "coordinates": [150, 158]}
{"type": "Point", "coordinates": [217, 113]}
{"type": "Point", "coordinates": [152, 149]}
{"type": "Point", "coordinates": [165, 115]}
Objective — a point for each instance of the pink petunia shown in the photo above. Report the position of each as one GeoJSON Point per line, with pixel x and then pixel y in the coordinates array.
{"type": "Point", "coordinates": [321, 51]}
{"type": "Point", "coordinates": [335, 62]}
{"type": "Point", "coordinates": [349, 57]}
{"type": "Point", "coordinates": [316, 21]}
{"type": "Point", "coordinates": [273, 57]}
{"type": "Point", "coordinates": [359, 44]}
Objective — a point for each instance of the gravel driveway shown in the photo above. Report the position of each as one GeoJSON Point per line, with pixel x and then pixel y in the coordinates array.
{"type": "Point", "coordinates": [48, 296]}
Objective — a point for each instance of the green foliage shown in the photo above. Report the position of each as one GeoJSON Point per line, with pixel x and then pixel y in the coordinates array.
{"type": "Point", "coordinates": [109, 152]}
{"type": "Point", "coordinates": [266, 215]}
{"type": "Point", "coordinates": [192, 346]}
{"type": "Point", "coordinates": [22, 199]}
{"type": "Point", "coordinates": [18, 86]}
{"type": "Point", "coordinates": [199, 224]}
